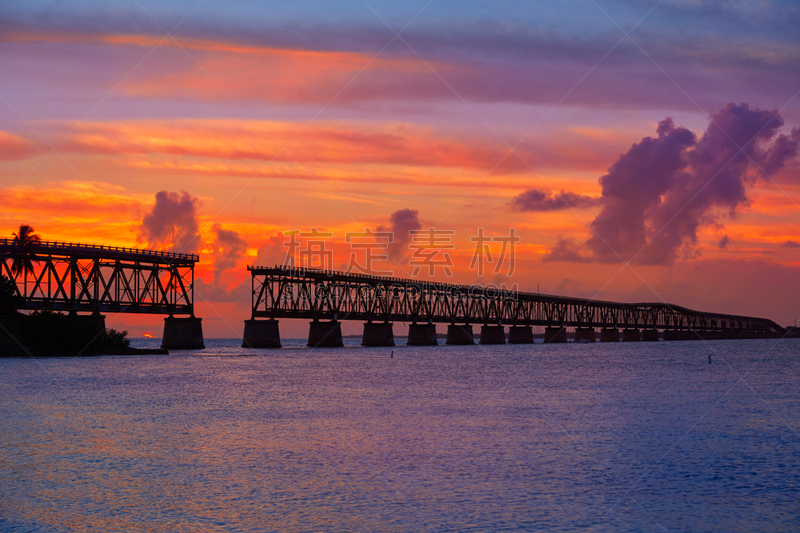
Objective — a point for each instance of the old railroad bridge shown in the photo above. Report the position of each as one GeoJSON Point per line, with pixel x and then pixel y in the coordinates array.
{"type": "Point", "coordinates": [326, 297]}
{"type": "Point", "coordinates": [87, 280]}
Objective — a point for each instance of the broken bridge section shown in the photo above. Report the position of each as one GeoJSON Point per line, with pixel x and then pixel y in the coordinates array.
{"type": "Point", "coordinates": [88, 278]}
{"type": "Point", "coordinates": [326, 297]}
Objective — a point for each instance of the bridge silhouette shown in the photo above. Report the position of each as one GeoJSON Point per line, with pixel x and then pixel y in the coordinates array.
{"type": "Point", "coordinates": [327, 297]}
{"type": "Point", "coordinates": [89, 278]}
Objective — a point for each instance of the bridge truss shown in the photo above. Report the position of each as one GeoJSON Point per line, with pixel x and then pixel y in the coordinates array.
{"type": "Point", "coordinates": [290, 292]}
{"type": "Point", "coordinates": [76, 277]}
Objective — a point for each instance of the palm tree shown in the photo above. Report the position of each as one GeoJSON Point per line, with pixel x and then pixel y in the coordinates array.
{"type": "Point", "coordinates": [22, 261]}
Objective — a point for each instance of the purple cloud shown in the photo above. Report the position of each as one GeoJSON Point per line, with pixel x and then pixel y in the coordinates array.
{"type": "Point", "coordinates": [539, 200]}
{"type": "Point", "coordinates": [172, 222]}
{"type": "Point", "coordinates": [400, 223]}
{"type": "Point", "coordinates": [663, 190]}
{"type": "Point", "coordinates": [229, 247]}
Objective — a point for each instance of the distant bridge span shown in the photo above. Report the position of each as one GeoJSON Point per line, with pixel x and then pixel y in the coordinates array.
{"type": "Point", "coordinates": [289, 292]}
{"type": "Point", "coordinates": [90, 278]}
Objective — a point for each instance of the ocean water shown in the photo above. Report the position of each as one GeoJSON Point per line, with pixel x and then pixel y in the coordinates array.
{"type": "Point", "coordinates": [592, 437]}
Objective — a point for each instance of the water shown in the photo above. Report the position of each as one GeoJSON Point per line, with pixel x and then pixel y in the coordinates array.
{"type": "Point", "coordinates": [603, 437]}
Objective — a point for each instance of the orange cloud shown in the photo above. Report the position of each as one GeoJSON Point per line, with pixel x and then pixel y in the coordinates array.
{"type": "Point", "coordinates": [328, 142]}
{"type": "Point", "coordinates": [15, 147]}
{"type": "Point", "coordinates": [396, 145]}
{"type": "Point", "coordinates": [288, 76]}
{"type": "Point", "coordinates": [73, 211]}
{"type": "Point", "coordinates": [265, 73]}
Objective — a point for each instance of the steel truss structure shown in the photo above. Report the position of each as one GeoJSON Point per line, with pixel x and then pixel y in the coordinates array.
{"type": "Point", "coordinates": [291, 292]}
{"type": "Point", "coordinates": [76, 277]}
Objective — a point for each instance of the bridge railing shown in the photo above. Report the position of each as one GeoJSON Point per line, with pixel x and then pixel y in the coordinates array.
{"type": "Point", "coordinates": [81, 247]}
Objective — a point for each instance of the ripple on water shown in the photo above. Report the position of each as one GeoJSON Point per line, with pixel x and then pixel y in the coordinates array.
{"type": "Point", "coordinates": [624, 437]}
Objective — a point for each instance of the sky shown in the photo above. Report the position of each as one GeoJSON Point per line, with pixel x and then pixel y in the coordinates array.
{"type": "Point", "coordinates": [641, 151]}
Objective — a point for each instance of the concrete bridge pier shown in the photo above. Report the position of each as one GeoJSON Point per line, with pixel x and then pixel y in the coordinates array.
{"type": "Point", "coordinates": [609, 335]}
{"type": "Point", "coordinates": [377, 334]}
{"type": "Point", "coordinates": [631, 335]}
{"type": "Point", "coordinates": [422, 335]}
{"type": "Point", "coordinates": [676, 335]}
{"type": "Point", "coordinates": [584, 334]}
{"type": "Point", "coordinates": [261, 334]}
{"type": "Point", "coordinates": [96, 323]}
{"type": "Point", "coordinates": [650, 335]}
{"type": "Point", "coordinates": [460, 334]}
{"type": "Point", "coordinates": [520, 335]}
{"type": "Point", "coordinates": [325, 334]}
{"type": "Point", "coordinates": [185, 333]}
{"type": "Point", "coordinates": [93, 326]}
{"type": "Point", "coordinates": [493, 334]}
{"type": "Point", "coordinates": [555, 335]}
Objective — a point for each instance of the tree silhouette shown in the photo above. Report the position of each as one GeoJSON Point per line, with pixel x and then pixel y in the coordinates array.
{"type": "Point", "coordinates": [9, 299]}
{"type": "Point", "coordinates": [22, 262]}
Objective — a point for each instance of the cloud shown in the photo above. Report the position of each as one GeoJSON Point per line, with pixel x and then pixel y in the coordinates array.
{"type": "Point", "coordinates": [272, 252]}
{"type": "Point", "coordinates": [656, 196]}
{"type": "Point", "coordinates": [76, 211]}
{"type": "Point", "coordinates": [229, 248]}
{"type": "Point", "coordinates": [172, 222]}
{"type": "Point", "coordinates": [723, 242]}
{"type": "Point", "coordinates": [15, 147]}
{"type": "Point", "coordinates": [215, 292]}
{"type": "Point", "coordinates": [539, 200]}
{"type": "Point", "coordinates": [790, 244]}
{"type": "Point", "coordinates": [323, 142]}
{"type": "Point", "coordinates": [287, 63]}
{"type": "Point", "coordinates": [400, 223]}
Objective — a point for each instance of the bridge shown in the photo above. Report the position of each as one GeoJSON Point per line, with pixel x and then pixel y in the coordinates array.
{"type": "Point", "coordinates": [326, 297]}
{"type": "Point", "coordinates": [89, 278]}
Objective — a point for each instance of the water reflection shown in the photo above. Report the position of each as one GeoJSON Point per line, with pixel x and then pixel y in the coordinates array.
{"type": "Point", "coordinates": [593, 437]}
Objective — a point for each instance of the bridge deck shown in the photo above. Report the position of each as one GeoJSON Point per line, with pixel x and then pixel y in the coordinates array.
{"type": "Point", "coordinates": [77, 277]}
{"type": "Point", "coordinates": [97, 251]}
{"type": "Point", "coordinates": [322, 294]}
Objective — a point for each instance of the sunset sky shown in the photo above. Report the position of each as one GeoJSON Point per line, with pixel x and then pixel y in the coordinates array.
{"type": "Point", "coordinates": [641, 150]}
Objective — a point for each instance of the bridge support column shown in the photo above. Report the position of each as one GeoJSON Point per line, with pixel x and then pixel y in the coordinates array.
{"type": "Point", "coordinates": [650, 335]}
{"type": "Point", "coordinates": [676, 335]}
{"type": "Point", "coordinates": [458, 334]}
{"type": "Point", "coordinates": [491, 334]}
{"type": "Point", "coordinates": [631, 335]}
{"type": "Point", "coordinates": [422, 335]}
{"type": "Point", "coordinates": [377, 334]}
{"type": "Point", "coordinates": [95, 323]}
{"type": "Point", "coordinates": [609, 335]}
{"type": "Point", "coordinates": [520, 335]}
{"type": "Point", "coordinates": [185, 333]}
{"type": "Point", "coordinates": [261, 334]}
{"type": "Point", "coordinates": [555, 335]}
{"type": "Point", "coordinates": [584, 334]}
{"type": "Point", "coordinates": [325, 334]}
